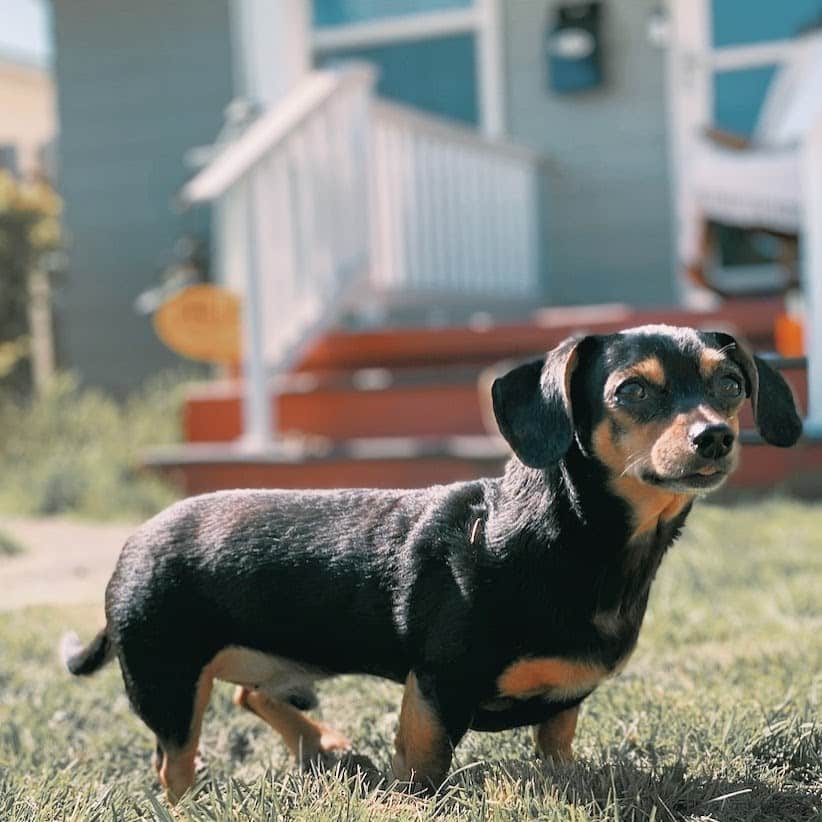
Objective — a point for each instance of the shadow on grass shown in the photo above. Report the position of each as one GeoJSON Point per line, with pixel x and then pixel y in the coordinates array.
{"type": "Point", "coordinates": [621, 789]}
{"type": "Point", "coordinates": [614, 790]}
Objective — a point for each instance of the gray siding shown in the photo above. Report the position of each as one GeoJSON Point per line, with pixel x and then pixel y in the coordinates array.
{"type": "Point", "coordinates": [607, 227]}
{"type": "Point", "coordinates": [139, 83]}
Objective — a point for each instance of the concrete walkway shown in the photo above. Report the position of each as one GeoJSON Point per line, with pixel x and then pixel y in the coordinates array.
{"type": "Point", "coordinates": [64, 561]}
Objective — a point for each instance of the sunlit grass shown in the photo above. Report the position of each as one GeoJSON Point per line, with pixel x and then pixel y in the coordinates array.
{"type": "Point", "coordinates": [716, 717]}
{"type": "Point", "coordinates": [9, 546]}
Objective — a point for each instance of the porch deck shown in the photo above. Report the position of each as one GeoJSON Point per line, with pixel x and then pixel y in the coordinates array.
{"type": "Point", "coordinates": [403, 407]}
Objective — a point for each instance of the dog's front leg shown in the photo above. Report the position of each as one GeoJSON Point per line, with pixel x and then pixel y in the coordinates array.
{"type": "Point", "coordinates": [555, 735]}
{"type": "Point", "coordinates": [432, 722]}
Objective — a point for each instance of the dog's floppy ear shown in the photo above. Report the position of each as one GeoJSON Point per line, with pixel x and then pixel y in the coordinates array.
{"type": "Point", "coordinates": [774, 406]}
{"type": "Point", "coordinates": [532, 404]}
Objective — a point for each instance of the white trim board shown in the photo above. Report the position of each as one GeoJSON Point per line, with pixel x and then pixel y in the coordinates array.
{"type": "Point", "coordinates": [396, 29]}
{"type": "Point", "coordinates": [483, 19]}
{"type": "Point", "coordinates": [734, 58]}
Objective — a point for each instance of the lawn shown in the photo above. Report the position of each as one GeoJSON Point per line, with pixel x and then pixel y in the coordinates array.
{"type": "Point", "coordinates": [717, 716]}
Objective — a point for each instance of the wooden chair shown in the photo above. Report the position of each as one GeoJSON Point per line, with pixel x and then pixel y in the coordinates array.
{"type": "Point", "coordinates": [755, 184]}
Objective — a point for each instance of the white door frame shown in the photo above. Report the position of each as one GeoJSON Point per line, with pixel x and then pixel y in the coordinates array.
{"type": "Point", "coordinates": [483, 19]}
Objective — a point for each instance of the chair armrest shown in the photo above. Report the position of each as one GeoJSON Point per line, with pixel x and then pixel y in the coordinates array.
{"type": "Point", "coordinates": [727, 139]}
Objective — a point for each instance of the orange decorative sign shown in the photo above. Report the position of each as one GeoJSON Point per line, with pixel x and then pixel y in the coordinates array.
{"type": "Point", "coordinates": [202, 322]}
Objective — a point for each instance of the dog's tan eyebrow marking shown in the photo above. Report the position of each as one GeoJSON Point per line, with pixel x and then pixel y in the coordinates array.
{"type": "Point", "coordinates": [650, 369]}
{"type": "Point", "coordinates": [709, 360]}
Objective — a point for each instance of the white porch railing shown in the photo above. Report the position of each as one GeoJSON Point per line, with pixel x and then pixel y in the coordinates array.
{"type": "Point", "coordinates": [290, 223]}
{"type": "Point", "coordinates": [332, 197]}
{"type": "Point", "coordinates": [454, 215]}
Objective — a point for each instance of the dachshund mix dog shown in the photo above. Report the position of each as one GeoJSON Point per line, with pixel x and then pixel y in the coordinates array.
{"type": "Point", "coordinates": [498, 602]}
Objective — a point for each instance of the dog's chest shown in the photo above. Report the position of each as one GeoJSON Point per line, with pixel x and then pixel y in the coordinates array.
{"type": "Point", "coordinates": [619, 592]}
{"type": "Point", "coordinates": [607, 630]}
{"type": "Point", "coordinates": [555, 678]}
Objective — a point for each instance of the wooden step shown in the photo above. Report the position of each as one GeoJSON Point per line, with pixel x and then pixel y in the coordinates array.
{"type": "Point", "coordinates": [485, 341]}
{"type": "Point", "coordinates": [424, 381]}
{"type": "Point", "coordinates": [400, 462]}
{"type": "Point", "coordinates": [363, 403]}
{"type": "Point", "coordinates": [416, 463]}
{"type": "Point", "coordinates": [402, 408]}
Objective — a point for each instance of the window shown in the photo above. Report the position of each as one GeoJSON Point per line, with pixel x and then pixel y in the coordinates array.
{"type": "Point", "coordinates": [347, 12]}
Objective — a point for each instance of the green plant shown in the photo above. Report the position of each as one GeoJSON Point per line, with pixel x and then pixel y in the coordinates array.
{"type": "Point", "coordinates": [9, 546]}
{"type": "Point", "coordinates": [76, 450]}
{"type": "Point", "coordinates": [29, 230]}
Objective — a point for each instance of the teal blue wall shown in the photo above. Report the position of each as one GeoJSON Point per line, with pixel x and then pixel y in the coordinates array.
{"type": "Point", "coordinates": [139, 84]}
{"type": "Point", "coordinates": [738, 98]}
{"type": "Point", "coordinates": [341, 12]}
{"type": "Point", "coordinates": [738, 95]}
{"type": "Point", "coordinates": [606, 225]}
{"type": "Point", "coordinates": [755, 21]}
{"type": "Point", "coordinates": [436, 75]}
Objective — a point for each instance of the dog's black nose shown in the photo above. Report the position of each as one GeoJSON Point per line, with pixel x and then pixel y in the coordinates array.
{"type": "Point", "coordinates": [713, 441]}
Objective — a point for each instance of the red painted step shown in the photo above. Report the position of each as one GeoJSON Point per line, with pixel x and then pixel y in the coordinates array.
{"type": "Point", "coordinates": [423, 392]}
{"type": "Point", "coordinates": [429, 376]}
{"type": "Point", "coordinates": [421, 347]}
{"type": "Point", "coordinates": [361, 404]}
{"type": "Point", "coordinates": [413, 464]}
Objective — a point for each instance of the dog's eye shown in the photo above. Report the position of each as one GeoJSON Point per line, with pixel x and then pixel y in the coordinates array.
{"type": "Point", "coordinates": [632, 391]}
{"type": "Point", "coordinates": [730, 386]}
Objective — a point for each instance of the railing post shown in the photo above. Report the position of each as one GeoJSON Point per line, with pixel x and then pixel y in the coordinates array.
{"type": "Point", "coordinates": [257, 413]}
{"type": "Point", "coordinates": [812, 270]}
{"type": "Point", "coordinates": [490, 68]}
{"type": "Point", "coordinates": [689, 91]}
{"type": "Point", "coordinates": [272, 48]}
{"type": "Point", "coordinates": [272, 45]}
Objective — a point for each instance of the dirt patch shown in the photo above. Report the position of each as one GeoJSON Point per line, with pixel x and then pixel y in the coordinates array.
{"type": "Point", "coordinates": [64, 562]}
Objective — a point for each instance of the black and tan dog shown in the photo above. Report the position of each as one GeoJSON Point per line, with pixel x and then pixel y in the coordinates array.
{"type": "Point", "coordinates": [499, 603]}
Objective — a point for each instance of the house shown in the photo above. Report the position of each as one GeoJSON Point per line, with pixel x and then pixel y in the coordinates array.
{"type": "Point", "coordinates": [401, 164]}
{"type": "Point", "coordinates": [142, 84]}
{"type": "Point", "coordinates": [27, 115]}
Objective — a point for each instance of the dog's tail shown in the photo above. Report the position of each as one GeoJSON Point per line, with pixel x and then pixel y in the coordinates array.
{"type": "Point", "coordinates": [82, 661]}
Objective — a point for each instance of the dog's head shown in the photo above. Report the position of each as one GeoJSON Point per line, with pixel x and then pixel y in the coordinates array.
{"type": "Point", "coordinates": [656, 405]}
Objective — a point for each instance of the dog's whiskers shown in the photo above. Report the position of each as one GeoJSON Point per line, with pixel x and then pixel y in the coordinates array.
{"type": "Point", "coordinates": [633, 460]}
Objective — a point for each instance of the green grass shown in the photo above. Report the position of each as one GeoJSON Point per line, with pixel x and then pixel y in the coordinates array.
{"type": "Point", "coordinates": [76, 450]}
{"type": "Point", "coordinates": [9, 546]}
{"type": "Point", "coordinates": [717, 716]}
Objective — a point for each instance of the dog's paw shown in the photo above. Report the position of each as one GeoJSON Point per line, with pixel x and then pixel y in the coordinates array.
{"type": "Point", "coordinates": [348, 764]}
{"type": "Point", "coordinates": [331, 748]}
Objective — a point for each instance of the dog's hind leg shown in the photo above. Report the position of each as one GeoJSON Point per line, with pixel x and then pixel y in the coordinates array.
{"type": "Point", "coordinates": [555, 735]}
{"type": "Point", "coordinates": [306, 739]}
{"type": "Point", "coordinates": [173, 707]}
{"type": "Point", "coordinates": [177, 770]}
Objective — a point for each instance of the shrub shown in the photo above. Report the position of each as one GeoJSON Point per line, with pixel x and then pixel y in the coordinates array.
{"type": "Point", "coordinates": [9, 546]}
{"type": "Point", "coordinates": [76, 450]}
{"type": "Point", "coordinates": [29, 234]}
